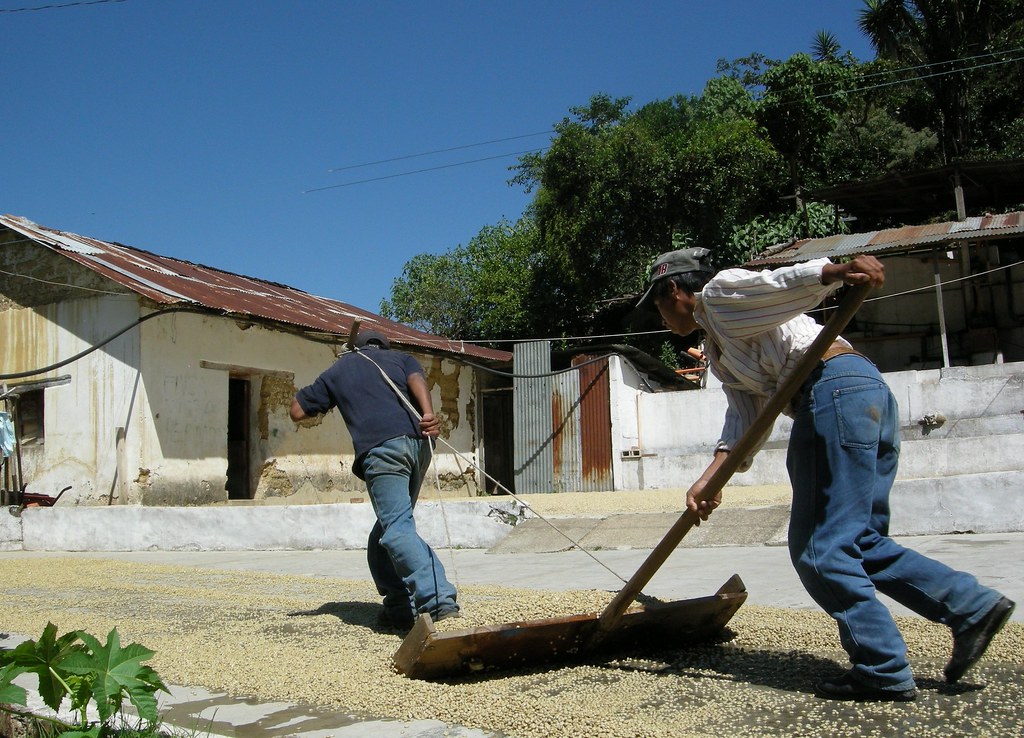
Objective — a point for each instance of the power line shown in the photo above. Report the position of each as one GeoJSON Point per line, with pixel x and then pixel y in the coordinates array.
{"type": "Point", "coordinates": [60, 6]}
{"type": "Point", "coordinates": [917, 78]}
{"type": "Point", "coordinates": [781, 92]}
{"type": "Point", "coordinates": [420, 171]}
{"type": "Point", "coordinates": [582, 339]}
{"type": "Point", "coordinates": [437, 151]}
{"type": "Point", "coordinates": [914, 68]}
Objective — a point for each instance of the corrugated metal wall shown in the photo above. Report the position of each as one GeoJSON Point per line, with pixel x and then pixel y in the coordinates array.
{"type": "Point", "coordinates": [565, 422]}
{"type": "Point", "coordinates": [562, 433]}
{"type": "Point", "coordinates": [533, 452]}
{"type": "Point", "coordinates": [596, 424]}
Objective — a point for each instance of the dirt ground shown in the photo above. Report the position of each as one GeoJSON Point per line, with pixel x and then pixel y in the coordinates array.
{"type": "Point", "coordinates": [315, 641]}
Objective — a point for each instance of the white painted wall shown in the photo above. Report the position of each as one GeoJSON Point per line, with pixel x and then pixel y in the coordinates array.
{"type": "Point", "coordinates": [80, 417]}
{"type": "Point", "coordinates": [166, 384]}
{"type": "Point", "coordinates": [676, 432]}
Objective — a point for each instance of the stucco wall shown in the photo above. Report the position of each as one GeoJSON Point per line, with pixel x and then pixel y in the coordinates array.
{"type": "Point", "coordinates": [188, 361]}
{"type": "Point", "coordinates": [676, 432]}
{"type": "Point", "coordinates": [80, 418]}
{"type": "Point", "coordinates": [165, 383]}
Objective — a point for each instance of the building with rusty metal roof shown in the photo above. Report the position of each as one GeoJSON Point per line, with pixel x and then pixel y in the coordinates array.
{"type": "Point", "coordinates": [140, 378]}
{"type": "Point", "coordinates": [166, 281]}
{"type": "Point", "coordinates": [954, 292]}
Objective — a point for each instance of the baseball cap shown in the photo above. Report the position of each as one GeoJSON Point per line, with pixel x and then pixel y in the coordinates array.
{"type": "Point", "coordinates": [366, 337]}
{"type": "Point", "coordinates": [683, 261]}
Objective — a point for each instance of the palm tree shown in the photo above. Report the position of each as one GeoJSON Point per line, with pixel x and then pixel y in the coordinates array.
{"type": "Point", "coordinates": [825, 46]}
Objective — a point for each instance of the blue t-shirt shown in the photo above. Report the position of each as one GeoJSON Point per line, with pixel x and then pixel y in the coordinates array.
{"type": "Point", "coordinates": [369, 406]}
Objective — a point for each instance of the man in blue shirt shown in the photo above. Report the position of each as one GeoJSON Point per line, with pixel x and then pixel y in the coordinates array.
{"type": "Point", "coordinates": [393, 451]}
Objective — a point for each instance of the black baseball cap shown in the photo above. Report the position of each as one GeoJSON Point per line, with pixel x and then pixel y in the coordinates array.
{"type": "Point", "coordinates": [683, 261]}
{"type": "Point", "coordinates": [366, 337]}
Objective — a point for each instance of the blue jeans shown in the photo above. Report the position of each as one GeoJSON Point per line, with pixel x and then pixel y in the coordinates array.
{"type": "Point", "coordinates": [842, 460]}
{"type": "Point", "coordinates": [405, 569]}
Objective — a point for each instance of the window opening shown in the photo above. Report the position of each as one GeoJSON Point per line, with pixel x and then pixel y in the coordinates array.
{"type": "Point", "coordinates": [29, 416]}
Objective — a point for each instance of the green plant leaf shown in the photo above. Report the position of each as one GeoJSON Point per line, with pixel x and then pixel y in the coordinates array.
{"type": "Point", "coordinates": [117, 671]}
{"type": "Point", "coordinates": [45, 658]}
{"type": "Point", "coordinates": [10, 693]}
{"type": "Point", "coordinates": [93, 732]}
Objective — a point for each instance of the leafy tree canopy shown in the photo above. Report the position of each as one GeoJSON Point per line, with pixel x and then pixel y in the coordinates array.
{"type": "Point", "coordinates": [724, 169]}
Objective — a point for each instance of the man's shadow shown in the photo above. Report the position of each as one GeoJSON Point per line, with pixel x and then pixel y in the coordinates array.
{"type": "Point", "coordinates": [361, 614]}
{"type": "Point", "coordinates": [787, 671]}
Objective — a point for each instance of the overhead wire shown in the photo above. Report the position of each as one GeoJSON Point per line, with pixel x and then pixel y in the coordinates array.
{"type": "Point", "coordinates": [445, 343]}
{"type": "Point", "coordinates": [420, 171]}
{"type": "Point", "coordinates": [915, 79]}
{"type": "Point", "coordinates": [438, 151]}
{"type": "Point", "coordinates": [821, 96]}
{"type": "Point", "coordinates": [59, 284]}
{"type": "Point", "coordinates": [97, 346]}
{"type": "Point", "coordinates": [567, 339]}
{"type": "Point", "coordinates": [59, 6]}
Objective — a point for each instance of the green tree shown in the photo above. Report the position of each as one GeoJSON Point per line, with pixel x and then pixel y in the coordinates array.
{"type": "Point", "coordinates": [430, 295]}
{"type": "Point", "coordinates": [615, 186]}
{"type": "Point", "coordinates": [942, 42]}
{"type": "Point", "coordinates": [802, 107]}
{"type": "Point", "coordinates": [475, 292]}
{"type": "Point", "coordinates": [724, 169]}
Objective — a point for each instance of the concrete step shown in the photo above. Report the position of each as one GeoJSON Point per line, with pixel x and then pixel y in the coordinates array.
{"type": "Point", "coordinates": [966, 503]}
{"type": "Point", "coordinates": [921, 456]}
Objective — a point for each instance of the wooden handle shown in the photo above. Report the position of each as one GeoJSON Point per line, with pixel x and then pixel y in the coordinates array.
{"type": "Point", "coordinates": [351, 342]}
{"type": "Point", "coordinates": [743, 448]}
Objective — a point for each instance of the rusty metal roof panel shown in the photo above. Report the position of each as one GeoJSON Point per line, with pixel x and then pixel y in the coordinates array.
{"type": "Point", "coordinates": [172, 281]}
{"type": "Point", "coordinates": [894, 239]}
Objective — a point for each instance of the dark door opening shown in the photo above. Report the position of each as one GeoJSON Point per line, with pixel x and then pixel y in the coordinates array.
{"type": "Point", "coordinates": [239, 485]}
{"type": "Point", "coordinates": [498, 457]}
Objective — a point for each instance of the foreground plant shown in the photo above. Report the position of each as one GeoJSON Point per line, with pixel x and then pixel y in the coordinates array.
{"type": "Point", "coordinates": [78, 667]}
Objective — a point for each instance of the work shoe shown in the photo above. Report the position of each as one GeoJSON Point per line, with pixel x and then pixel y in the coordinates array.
{"type": "Point", "coordinates": [970, 645]}
{"type": "Point", "coordinates": [392, 620]}
{"type": "Point", "coordinates": [847, 687]}
{"type": "Point", "coordinates": [445, 613]}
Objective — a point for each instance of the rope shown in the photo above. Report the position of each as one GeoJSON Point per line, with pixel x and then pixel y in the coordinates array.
{"type": "Point", "coordinates": [502, 487]}
{"type": "Point", "coordinates": [440, 504]}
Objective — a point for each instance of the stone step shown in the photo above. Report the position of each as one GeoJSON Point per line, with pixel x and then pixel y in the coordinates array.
{"type": "Point", "coordinates": [966, 503]}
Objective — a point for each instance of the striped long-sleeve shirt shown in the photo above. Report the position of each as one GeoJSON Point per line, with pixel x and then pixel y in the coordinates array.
{"type": "Point", "coordinates": [756, 334]}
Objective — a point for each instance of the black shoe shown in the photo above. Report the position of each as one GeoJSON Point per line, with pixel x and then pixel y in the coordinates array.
{"type": "Point", "coordinates": [846, 687]}
{"type": "Point", "coordinates": [970, 645]}
{"type": "Point", "coordinates": [445, 614]}
{"type": "Point", "coordinates": [395, 621]}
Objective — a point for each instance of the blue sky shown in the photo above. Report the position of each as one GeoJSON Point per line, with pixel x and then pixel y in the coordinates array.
{"type": "Point", "coordinates": [206, 129]}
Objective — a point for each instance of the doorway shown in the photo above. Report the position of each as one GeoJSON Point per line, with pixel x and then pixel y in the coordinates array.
{"type": "Point", "coordinates": [498, 438]}
{"type": "Point", "coordinates": [239, 483]}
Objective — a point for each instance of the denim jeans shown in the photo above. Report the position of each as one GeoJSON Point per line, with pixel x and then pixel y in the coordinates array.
{"type": "Point", "coordinates": [405, 569]}
{"type": "Point", "coordinates": [843, 453]}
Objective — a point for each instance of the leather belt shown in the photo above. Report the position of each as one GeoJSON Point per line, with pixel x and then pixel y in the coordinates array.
{"type": "Point", "coordinates": [838, 349]}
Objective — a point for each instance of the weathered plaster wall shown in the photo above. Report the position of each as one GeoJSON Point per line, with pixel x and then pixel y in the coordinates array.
{"type": "Point", "coordinates": [163, 388]}
{"type": "Point", "coordinates": [35, 276]}
{"type": "Point", "coordinates": [978, 411]}
{"type": "Point", "coordinates": [188, 361]}
{"type": "Point", "coordinates": [81, 417]}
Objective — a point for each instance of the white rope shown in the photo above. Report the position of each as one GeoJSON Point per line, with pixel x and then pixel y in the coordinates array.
{"type": "Point", "coordinates": [440, 504]}
{"type": "Point", "coordinates": [502, 487]}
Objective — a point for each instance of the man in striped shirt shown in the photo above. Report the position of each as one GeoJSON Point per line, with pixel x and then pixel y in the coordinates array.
{"type": "Point", "coordinates": [842, 459]}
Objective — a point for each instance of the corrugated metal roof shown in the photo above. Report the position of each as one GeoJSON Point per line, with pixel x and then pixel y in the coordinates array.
{"type": "Point", "coordinates": [172, 281]}
{"type": "Point", "coordinates": [895, 239]}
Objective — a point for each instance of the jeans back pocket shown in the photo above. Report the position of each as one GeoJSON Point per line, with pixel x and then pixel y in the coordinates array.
{"type": "Point", "coordinates": [859, 413]}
